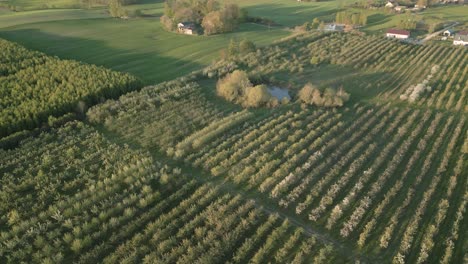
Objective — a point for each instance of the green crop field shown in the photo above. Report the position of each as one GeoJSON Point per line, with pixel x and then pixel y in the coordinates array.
{"type": "Point", "coordinates": [24, 5]}
{"type": "Point", "coordinates": [9, 19]}
{"type": "Point", "coordinates": [138, 46]}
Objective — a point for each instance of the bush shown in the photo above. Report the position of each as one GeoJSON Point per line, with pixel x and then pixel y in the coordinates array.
{"type": "Point", "coordinates": [237, 88]}
{"type": "Point", "coordinates": [168, 23]}
{"type": "Point", "coordinates": [246, 46]}
{"type": "Point", "coordinates": [233, 86]}
{"type": "Point", "coordinates": [311, 95]}
{"type": "Point", "coordinates": [256, 96]}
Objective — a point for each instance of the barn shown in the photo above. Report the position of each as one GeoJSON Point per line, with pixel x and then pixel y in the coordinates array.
{"type": "Point", "coordinates": [398, 33]}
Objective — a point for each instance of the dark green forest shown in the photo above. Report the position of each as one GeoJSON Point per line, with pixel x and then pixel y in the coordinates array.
{"type": "Point", "coordinates": [34, 86]}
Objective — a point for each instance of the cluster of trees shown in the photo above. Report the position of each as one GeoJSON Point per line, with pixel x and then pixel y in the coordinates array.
{"type": "Point", "coordinates": [35, 86]}
{"type": "Point", "coordinates": [408, 22]}
{"type": "Point", "coordinates": [240, 48]}
{"type": "Point", "coordinates": [308, 26]}
{"type": "Point", "coordinates": [310, 94]}
{"type": "Point", "coordinates": [113, 5]}
{"type": "Point", "coordinates": [116, 9]}
{"type": "Point", "coordinates": [351, 18]}
{"type": "Point", "coordinates": [236, 87]}
{"type": "Point", "coordinates": [213, 17]}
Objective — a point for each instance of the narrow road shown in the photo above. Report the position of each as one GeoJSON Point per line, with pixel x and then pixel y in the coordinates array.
{"type": "Point", "coordinates": [429, 36]}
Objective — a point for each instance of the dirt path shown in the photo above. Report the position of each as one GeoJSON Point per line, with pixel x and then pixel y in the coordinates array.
{"type": "Point", "coordinates": [429, 36]}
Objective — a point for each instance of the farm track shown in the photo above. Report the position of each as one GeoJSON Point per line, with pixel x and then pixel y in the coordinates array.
{"type": "Point", "coordinates": [261, 202]}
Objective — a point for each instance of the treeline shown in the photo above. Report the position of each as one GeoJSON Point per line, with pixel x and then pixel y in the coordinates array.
{"type": "Point", "coordinates": [351, 18]}
{"type": "Point", "coordinates": [310, 94]}
{"type": "Point", "coordinates": [90, 3]}
{"type": "Point", "coordinates": [34, 86]}
{"type": "Point", "coordinates": [212, 17]}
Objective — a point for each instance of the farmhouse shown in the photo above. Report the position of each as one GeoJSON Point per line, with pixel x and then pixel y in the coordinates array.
{"type": "Point", "coordinates": [398, 33]}
{"type": "Point", "coordinates": [334, 27]}
{"type": "Point", "coordinates": [448, 33]}
{"type": "Point", "coordinates": [400, 8]}
{"type": "Point", "coordinates": [461, 38]}
{"type": "Point", "coordinates": [391, 4]}
{"type": "Point", "coordinates": [188, 28]}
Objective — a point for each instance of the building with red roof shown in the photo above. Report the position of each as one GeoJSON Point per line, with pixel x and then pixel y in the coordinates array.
{"type": "Point", "coordinates": [398, 33]}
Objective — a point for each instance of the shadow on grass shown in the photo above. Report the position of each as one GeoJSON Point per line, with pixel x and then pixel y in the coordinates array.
{"type": "Point", "coordinates": [149, 66]}
{"type": "Point", "coordinates": [361, 84]}
{"type": "Point", "coordinates": [291, 15]}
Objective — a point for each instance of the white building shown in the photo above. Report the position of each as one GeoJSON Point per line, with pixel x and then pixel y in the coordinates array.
{"type": "Point", "coordinates": [448, 33]}
{"type": "Point", "coordinates": [188, 28]}
{"type": "Point", "coordinates": [398, 33]}
{"type": "Point", "coordinates": [461, 39]}
{"type": "Point", "coordinates": [334, 27]}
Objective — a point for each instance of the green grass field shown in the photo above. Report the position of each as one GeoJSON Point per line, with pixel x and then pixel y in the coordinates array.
{"type": "Point", "coordinates": [23, 5]}
{"type": "Point", "coordinates": [142, 47]}
{"type": "Point", "coordinates": [139, 46]}
{"type": "Point", "coordinates": [9, 19]}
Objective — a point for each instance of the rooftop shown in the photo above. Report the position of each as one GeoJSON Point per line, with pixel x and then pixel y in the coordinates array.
{"type": "Point", "coordinates": [398, 32]}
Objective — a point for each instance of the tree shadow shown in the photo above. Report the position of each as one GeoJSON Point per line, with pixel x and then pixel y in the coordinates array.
{"type": "Point", "coordinates": [291, 15]}
{"type": "Point", "coordinates": [148, 65]}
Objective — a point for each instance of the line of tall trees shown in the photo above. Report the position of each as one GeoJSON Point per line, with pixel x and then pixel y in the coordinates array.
{"type": "Point", "coordinates": [351, 18]}
{"type": "Point", "coordinates": [213, 17]}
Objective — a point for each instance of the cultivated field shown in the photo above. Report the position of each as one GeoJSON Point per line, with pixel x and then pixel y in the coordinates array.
{"type": "Point", "coordinates": [140, 46]}
{"type": "Point", "coordinates": [386, 177]}
{"type": "Point", "coordinates": [174, 173]}
{"type": "Point", "coordinates": [127, 207]}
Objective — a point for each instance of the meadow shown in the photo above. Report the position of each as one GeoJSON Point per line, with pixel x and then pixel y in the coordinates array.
{"type": "Point", "coordinates": [27, 5]}
{"type": "Point", "coordinates": [138, 46]}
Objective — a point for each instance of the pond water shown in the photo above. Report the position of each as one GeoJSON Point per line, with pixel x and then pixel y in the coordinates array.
{"type": "Point", "coordinates": [279, 92]}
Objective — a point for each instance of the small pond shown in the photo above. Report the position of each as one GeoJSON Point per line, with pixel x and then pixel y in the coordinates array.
{"type": "Point", "coordinates": [279, 92]}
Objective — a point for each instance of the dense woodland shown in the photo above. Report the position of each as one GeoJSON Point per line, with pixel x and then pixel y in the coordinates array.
{"type": "Point", "coordinates": [213, 17]}
{"type": "Point", "coordinates": [34, 86]}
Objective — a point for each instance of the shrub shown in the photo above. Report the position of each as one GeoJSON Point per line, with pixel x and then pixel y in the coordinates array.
{"type": "Point", "coordinates": [246, 46]}
{"type": "Point", "coordinates": [233, 86]}
{"type": "Point", "coordinates": [311, 95]}
{"type": "Point", "coordinates": [256, 96]}
{"type": "Point", "coordinates": [237, 88]}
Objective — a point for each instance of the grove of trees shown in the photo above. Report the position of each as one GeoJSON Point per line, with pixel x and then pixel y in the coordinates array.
{"type": "Point", "coordinates": [213, 17]}
{"type": "Point", "coordinates": [351, 18]}
{"type": "Point", "coordinates": [34, 86]}
{"type": "Point", "coordinates": [310, 94]}
{"type": "Point", "coordinates": [236, 87]}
